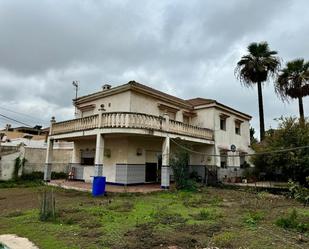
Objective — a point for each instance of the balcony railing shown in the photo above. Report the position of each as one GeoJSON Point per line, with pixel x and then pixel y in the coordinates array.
{"type": "Point", "coordinates": [130, 120]}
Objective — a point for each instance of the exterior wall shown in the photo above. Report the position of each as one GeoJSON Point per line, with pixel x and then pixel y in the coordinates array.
{"type": "Point", "coordinates": [122, 164]}
{"type": "Point", "coordinates": [145, 104]}
{"type": "Point", "coordinates": [210, 118]}
{"type": "Point", "coordinates": [204, 118]}
{"type": "Point", "coordinates": [226, 138]}
{"type": "Point", "coordinates": [36, 158]}
{"type": "Point", "coordinates": [115, 103]}
{"type": "Point", "coordinates": [7, 163]}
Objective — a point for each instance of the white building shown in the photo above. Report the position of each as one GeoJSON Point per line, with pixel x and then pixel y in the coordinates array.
{"type": "Point", "coordinates": [128, 132]}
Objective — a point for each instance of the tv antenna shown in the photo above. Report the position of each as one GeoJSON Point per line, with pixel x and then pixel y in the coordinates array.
{"type": "Point", "coordinates": [75, 83]}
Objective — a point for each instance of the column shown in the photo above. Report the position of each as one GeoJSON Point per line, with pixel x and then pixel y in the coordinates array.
{"type": "Point", "coordinates": [76, 154]}
{"type": "Point", "coordinates": [48, 161]}
{"type": "Point", "coordinates": [165, 170]}
{"type": "Point", "coordinates": [49, 152]}
{"type": "Point", "coordinates": [99, 155]}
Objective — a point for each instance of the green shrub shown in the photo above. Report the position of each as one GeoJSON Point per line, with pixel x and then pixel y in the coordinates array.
{"type": "Point", "coordinates": [252, 218]}
{"type": "Point", "coordinates": [298, 192]}
{"type": "Point", "coordinates": [288, 164]}
{"type": "Point", "coordinates": [179, 164]}
{"type": "Point", "coordinates": [292, 222]}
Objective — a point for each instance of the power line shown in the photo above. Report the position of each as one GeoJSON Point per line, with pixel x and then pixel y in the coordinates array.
{"type": "Point", "coordinates": [252, 154]}
{"type": "Point", "coordinates": [26, 115]}
{"type": "Point", "coordinates": [12, 119]}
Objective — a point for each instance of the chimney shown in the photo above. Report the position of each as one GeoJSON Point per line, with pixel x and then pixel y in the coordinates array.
{"type": "Point", "coordinates": [106, 87]}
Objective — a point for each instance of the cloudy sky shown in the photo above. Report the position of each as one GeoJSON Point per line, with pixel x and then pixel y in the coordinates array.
{"type": "Point", "coordinates": [186, 48]}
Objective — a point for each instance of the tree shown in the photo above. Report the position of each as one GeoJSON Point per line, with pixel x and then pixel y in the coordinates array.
{"type": "Point", "coordinates": [254, 69]}
{"type": "Point", "coordinates": [293, 82]}
{"type": "Point", "coordinates": [292, 163]}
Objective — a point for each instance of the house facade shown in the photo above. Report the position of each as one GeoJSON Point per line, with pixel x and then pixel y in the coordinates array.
{"type": "Point", "coordinates": [128, 133]}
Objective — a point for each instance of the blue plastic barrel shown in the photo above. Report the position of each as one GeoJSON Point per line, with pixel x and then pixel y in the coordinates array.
{"type": "Point", "coordinates": [98, 185]}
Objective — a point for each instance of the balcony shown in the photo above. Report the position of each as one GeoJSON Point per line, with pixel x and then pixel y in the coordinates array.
{"type": "Point", "coordinates": [129, 120]}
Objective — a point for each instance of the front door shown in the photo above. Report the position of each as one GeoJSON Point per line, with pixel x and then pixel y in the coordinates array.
{"type": "Point", "coordinates": [151, 172]}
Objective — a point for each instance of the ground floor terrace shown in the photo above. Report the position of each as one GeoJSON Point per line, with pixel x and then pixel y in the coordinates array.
{"type": "Point", "coordinates": [128, 159]}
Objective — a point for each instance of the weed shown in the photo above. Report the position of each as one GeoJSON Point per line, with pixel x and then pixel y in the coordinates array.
{"type": "Point", "coordinates": [252, 218]}
{"type": "Point", "coordinates": [207, 214]}
{"type": "Point", "coordinates": [292, 222]}
{"type": "Point", "coordinates": [224, 239]}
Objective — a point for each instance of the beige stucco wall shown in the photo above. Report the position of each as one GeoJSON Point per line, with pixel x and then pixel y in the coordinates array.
{"type": "Point", "coordinates": [210, 118]}
{"type": "Point", "coordinates": [204, 118]}
{"type": "Point", "coordinates": [118, 147]}
{"type": "Point", "coordinates": [114, 103]}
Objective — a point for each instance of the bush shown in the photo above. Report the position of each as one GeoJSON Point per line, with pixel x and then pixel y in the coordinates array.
{"type": "Point", "coordinates": [298, 192]}
{"type": "Point", "coordinates": [288, 164]}
{"type": "Point", "coordinates": [292, 222]}
{"type": "Point", "coordinates": [179, 165]}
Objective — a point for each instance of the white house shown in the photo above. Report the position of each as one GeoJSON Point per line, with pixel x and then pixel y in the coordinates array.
{"type": "Point", "coordinates": [128, 132]}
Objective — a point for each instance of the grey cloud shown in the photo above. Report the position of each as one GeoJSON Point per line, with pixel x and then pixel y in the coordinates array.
{"type": "Point", "coordinates": [187, 48]}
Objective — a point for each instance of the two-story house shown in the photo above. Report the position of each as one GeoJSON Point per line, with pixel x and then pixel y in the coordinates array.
{"type": "Point", "coordinates": [127, 133]}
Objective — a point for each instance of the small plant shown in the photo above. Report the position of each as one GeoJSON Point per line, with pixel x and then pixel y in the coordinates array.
{"type": "Point", "coordinates": [224, 239]}
{"type": "Point", "coordinates": [48, 206]}
{"type": "Point", "coordinates": [252, 218]}
{"type": "Point", "coordinates": [292, 222]}
{"type": "Point", "coordinates": [205, 214]}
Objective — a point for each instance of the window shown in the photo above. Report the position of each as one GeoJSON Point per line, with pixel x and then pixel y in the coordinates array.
{"type": "Point", "coordinates": [237, 128]}
{"type": "Point", "coordinates": [222, 124]}
{"type": "Point", "coordinates": [238, 123]}
{"type": "Point", "coordinates": [223, 118]}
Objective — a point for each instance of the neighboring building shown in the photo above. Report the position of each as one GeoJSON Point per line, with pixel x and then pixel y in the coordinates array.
{"type": "Point", "coordinates": [30, 143]}
{"type": "Point", "coordinates": [28, 133]}
{"type": "Point", "coordinates": [127, 134]}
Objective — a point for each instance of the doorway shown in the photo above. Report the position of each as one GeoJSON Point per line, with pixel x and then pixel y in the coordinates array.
{"type": "Point", "coordinates": [153, 169]}
{"type": "Point", "coordinates": [151, 172]}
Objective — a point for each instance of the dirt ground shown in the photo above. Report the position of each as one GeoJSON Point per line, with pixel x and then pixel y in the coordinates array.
{"type": "Point", "coordinates": [211, 217]}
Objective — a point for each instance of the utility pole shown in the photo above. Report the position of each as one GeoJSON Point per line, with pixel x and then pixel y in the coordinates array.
{"type": "Point", "coordinates": [75, 83]}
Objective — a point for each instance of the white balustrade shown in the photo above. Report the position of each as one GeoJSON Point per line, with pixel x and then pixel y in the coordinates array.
{"type": "Point", "coordinates": [130, 120]}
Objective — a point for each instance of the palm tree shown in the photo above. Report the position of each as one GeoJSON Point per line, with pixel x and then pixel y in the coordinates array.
{"type": "Point", "coordinates": [254, 69]}
{"type": "Point", "coordinates": [293, 82]}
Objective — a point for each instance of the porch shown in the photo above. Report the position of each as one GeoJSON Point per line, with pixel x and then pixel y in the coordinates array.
{"type": "Point", "coordinates": [126, 148]}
